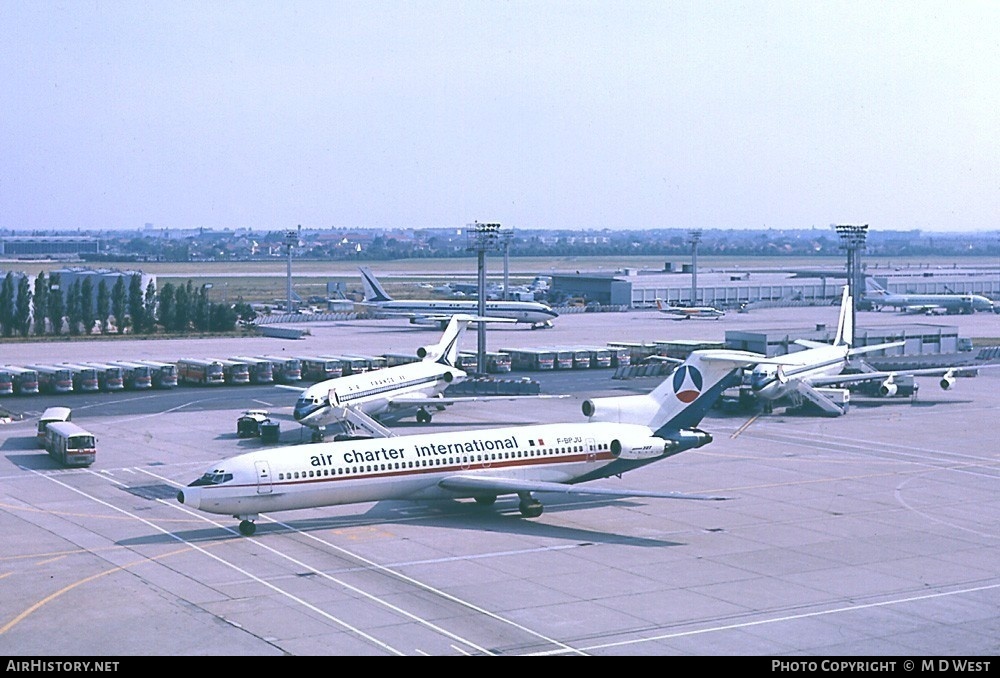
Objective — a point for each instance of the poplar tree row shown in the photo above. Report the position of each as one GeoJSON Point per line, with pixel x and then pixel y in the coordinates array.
{"type": "Point", "coordinates": [50, 310]}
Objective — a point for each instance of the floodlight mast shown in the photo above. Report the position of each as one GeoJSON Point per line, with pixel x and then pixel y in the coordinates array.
{"type": "Point", "coordinates": [481, 238]}
{"type": "Point", "coordinates": [852, 239]}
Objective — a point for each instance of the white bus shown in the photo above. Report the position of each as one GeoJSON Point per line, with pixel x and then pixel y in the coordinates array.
{"type": "Point", "coordinates": [51, 415]}
{"type": "Point", "coordinates": [69, 444]}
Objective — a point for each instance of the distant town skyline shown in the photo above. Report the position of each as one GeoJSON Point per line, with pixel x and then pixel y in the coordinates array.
{"type": "Point", "coordinates": [554, 115]}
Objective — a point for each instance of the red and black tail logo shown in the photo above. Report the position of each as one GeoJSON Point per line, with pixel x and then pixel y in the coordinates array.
{"type": "Point", "coordinates": [687, 383]}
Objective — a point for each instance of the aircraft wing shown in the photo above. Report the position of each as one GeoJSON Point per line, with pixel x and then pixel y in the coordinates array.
{"type": "Point", "coordinates": [879, 375]}
{"type": "Point", "coordinates": [498, 485]}
{"type": "Point", "coordinates": [418, 401]}
{"type": "Point", "coordinates": [289, 387]}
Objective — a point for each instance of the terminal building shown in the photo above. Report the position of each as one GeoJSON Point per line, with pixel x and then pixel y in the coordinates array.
{"type": "Point", "coordinates": [733, 288]}
{"type": "Point", "coordinates": [48, 247]}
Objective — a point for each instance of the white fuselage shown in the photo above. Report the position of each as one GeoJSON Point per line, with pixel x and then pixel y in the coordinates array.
{"type": "Point", "coordinates": [411, 467]}
{"type": "Point", "coordinates": [372, 392]}
{"type": "Point", "coordinates": [801, 365]}
{"type": "Point", "coordinates": [531, 312]}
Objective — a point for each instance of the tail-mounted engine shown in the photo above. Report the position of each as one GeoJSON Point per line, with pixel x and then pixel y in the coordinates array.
{"type": "Point", "coordinates": [620, 409]}
{"type": "Point", "coordinates": [653, 448]}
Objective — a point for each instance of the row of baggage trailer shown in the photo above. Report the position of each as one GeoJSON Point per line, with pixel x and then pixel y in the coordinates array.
{"type": "Point", "coordinates": [137, 375]}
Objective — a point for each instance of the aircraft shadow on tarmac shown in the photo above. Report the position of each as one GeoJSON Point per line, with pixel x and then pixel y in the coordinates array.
{"type": "Point", "coordinates": [442, 514]}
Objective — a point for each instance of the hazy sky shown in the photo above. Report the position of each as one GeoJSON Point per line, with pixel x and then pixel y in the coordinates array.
{"type": "Point", "coordinates": [712, 114]}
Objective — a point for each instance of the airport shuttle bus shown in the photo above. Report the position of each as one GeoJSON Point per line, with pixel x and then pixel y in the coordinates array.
{"type": "Point", "coordinates": [396, 359]}
{"type": "Point", "coordinates": [261, 370]}
{"type": "Point", "coordinates": [531, 359]}
{"type": "Point", "coordinates": [51, 415]}
{"type": "Point", "coordinates": [196, 371]}
{"type": "Point", "coordinates": [69, 444]}
{"type": "Point", "coordinates": [25, 380]}
{"type": "Point", "coordinates": [84, 378]}
{"type": "Point", "coordinates": [598, 357]}
{"type": "Point", "coordinates": [356, 364]}
{"type": "Point", "coordinates": [497, 362]}
{"type": "Point", "coordinates": [620, 356]}
{"type": "Point", "coordinates": [563, 357]}
{"type": "Point", "coordinates": [53, 378]}
{"type": "Point", "coordinates": [164, 374]}
{"type": "Point", "coordinates": [467, 361]}
{"type": "Point", "coordinates": [321, 369]}
{"type": "Point", "coordinates": [285, 370]}
{"type": "Point", "coordinates": [235, 372]}
{"type": "Point", "coordinates": [6, 381]}
{"type": "Point", "coordinates": [109, 377]}
{"type": "Point", "coordinates": [137, 377]}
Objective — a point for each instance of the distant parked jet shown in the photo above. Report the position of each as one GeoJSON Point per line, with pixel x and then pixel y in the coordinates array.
{"type": "Point", "coordinates": [928, 304]}
{"type": "Point", "coordinates": [686, 312]}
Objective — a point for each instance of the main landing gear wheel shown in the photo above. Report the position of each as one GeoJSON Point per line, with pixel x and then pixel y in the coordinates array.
{"type": "Point", "coordinates": [247, 528]}
{"type": "Point", "coordinates": [423, 417]}
{"type": "Point", "coordinates": [529, 506]}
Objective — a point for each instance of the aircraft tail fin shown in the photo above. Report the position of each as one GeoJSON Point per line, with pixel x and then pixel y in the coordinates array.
{"type": "Point", "coordinates": [446, 350]}
{"type": "Point", "coordinates": [373, 288]}
{"type": "Point", "coordinates": [683, 399]}
{"type": "Point", "coordinates": [845, 325]}
{"type": "Point", "coordinates": [873, 289]}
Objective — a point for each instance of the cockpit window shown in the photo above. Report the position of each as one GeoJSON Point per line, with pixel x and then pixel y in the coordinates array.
{"type": "Point", "coordinates": [212, 478]}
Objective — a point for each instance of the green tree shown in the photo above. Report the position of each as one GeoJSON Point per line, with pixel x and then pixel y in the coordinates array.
{"type": "Point", "coordinates": [74, 308]}
{"type": "Point", "coordinates": [118, 304]}
{"type": "Point", "coordinates": [167, 307]}
{"type": "Point", "coordinates": [87, 316]}
{"type": "Point", "coordinates": [202, 321]}
{"type": "Point", "coordinates": [22, 307]}
{"type": "Point", "coordinates": [103, 304]}
{"type": "Point", "coordinates": [57, 303]}
{"type": "Point", "coordinates": [136, 309]}
{"type": "Point", "coordinates": [7, 304]}
{"type": "Point", "coordinates": [41, 303]}
{"type": "Point", "coordinates": [182, 307]}
{"type": "Point", "coordinates": [149, 305]}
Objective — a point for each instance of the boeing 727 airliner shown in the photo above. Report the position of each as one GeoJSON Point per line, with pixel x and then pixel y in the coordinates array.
{"type": "Point", "coordinates": [623, 433]}
{"type": "Point", "coordinates": [366, 400]}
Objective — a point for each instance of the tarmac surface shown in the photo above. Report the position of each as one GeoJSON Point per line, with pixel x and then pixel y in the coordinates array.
{"type": "Point", "coordinates": [872, 534]}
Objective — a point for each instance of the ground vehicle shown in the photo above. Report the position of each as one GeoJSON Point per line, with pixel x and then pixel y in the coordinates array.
{"type": "Point", "coordinates": [164, 375]}
{"type": "Point", "coordinates": [599, 356]}
{"type": "Point", "coordinates": [468, 362]}
{"type": "Point", "coordinates": [6, 381]}
{"type": "Point", "coordinates": [248, 425]}
{"type": "Point", "coordinates": [497, 362]}
{"type": "Point", "coordinates": [620, 356]}
{"type": "Point", "coordinates": [356, 364]}
{"type": "Point", "coordinates": [197, 371]}
{"type": "Point", "coordinates": [70, 444]}
{"type": "Point", "coordinates": [137, 376]}
{"type": "Point", "coordinates": [109, 377]}
{"type": "Point", "coordinates": [84, 377]}
{"type": "Point", "coordinates": [261, 370]}
{"type": "Point", "coordinates": [321, 369]}
{"type": "Point", "coordinates": [25, 380]}
{"type": "Point", "coordinates": [531, 359]}
{"type": "Point", "coordinates": [235, 371]}
{"type": "Point", "coordinates": [53, 378]}
{"type": "Point", "coordinates": [51, 415]}
{"type": "Point", "coordinates": [286, 370]}
{"type": "Point", "coordinates": [564, 358]}
{"type": "Point", "coordinates": [394, 359]}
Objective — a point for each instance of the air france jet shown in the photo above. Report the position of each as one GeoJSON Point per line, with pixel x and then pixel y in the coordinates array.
{"type": "Point", "coordinates": [363, 402]}
{"type": "Point", "coordinates": [438, 312]}
{"type": "Point", "coordinates": [622, 433]}
{"type": "Point", "coordinates": [686, 312]}
{"type": "Point", "coordinates": [798, 376]}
